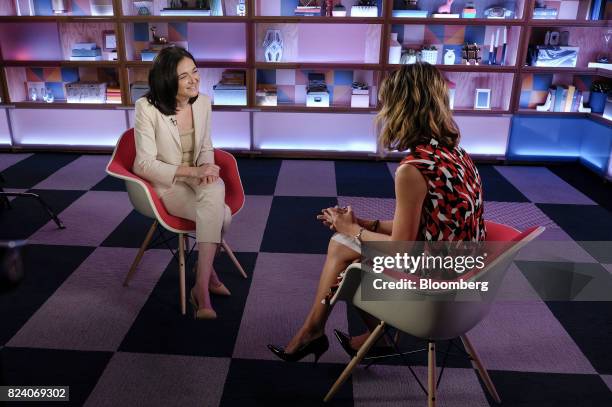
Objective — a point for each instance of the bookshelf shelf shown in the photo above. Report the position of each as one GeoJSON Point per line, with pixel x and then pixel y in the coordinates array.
{"type": "Point", "coordinates": [457, 21]}
{"type": "Point", "coordinates": [348, 48]}
{"type": "Point", "coordinates": [319, 20]}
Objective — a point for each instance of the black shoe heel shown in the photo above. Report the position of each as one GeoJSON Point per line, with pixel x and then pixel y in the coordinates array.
{"type": "Point", "coordinates": [317, 347]}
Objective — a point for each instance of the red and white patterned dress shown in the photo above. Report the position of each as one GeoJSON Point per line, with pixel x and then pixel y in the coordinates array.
{"type": "Point", "coordinates": [453, 207]}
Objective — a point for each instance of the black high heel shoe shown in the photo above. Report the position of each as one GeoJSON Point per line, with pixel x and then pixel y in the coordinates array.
{"type": "Point", "coordinates": [317, 347]}
{"type": "Point", "coordinates": [375, 351]}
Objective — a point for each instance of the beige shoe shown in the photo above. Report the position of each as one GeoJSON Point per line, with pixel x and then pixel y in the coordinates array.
{"type": "Point", "coordinates": [221, 289]}
{"type": "Point", "coordinates": [201, 313]}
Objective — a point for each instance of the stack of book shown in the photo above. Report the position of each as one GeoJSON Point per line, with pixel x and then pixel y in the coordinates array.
{"type": "Point", "coordinates": [86, 51]}
{"type": "Point", "coordinates": [307, 11]}
{"type": "Point", "coordinates": [562, 99]}
{"type": "Point", "coordinates": [231, 90]}
{"type": "Point", "coordinates": [113, 95]}
{"type": "Point", "coordinates": [544, 13]}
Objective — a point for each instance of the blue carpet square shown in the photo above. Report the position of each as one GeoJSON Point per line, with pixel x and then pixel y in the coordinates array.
{"type": "Point", "coordinates": [160, 327]}
{"type": "Point", "coordinates": [581, 222]}
{"type": "Point", "coordinates": [250, 383]}
{"type": "Point", "coordinates": [27, 215]}
{"type": "Point", "coordinates": [51, 367]}
{"type": "Point", "coordinates": [496, 188]}
{"type": "Point", "coordinates": [365, 179]}
{"type": "Point", "coordinates": [259, 176]}
{"type": "Point", "coordinates": [293, 227]}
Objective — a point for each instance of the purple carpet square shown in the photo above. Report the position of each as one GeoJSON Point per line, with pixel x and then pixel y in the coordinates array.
{"type": "Point", "coordinates": [92, 310]}
{"type": "Point", "coordinates": [540, 185]}
{"type": "Point", "coordinates": [150, 380]}
{"type": "Point", "coordinates": [81, 174]}
{"type": "Point", "coordinates": [607, 380]}
{"type": "Point", "coordinates": [247, 228]}
{"type": "Point", "coordinates": [280, 297]}
{"type": "Point", "coordinates": [6, 160]}
{"type": "Point", "coordinates": [89, 220]}
{"type": "Point", "coordinates": [383, 386]}
{"type": "Point", "coordinates": [526, 337]}
{"type": "Point", "coordinates": [369, 208]}
{"type": "Point", "coordinates": [519, 215]}
{"type": "Point", "coordinates": [306, 178]}
{"type": "Point", "coordinates": [515, 287]}
{"type": "Point", "coordinates": [554, 233]}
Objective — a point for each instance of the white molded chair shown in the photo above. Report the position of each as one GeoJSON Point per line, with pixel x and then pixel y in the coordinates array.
{"type": "Point", "coordinates": [419, 315]}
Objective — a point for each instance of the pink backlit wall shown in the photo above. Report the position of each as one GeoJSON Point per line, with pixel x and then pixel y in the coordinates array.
{"type": "Point", "coordinates": [5, 138]}
{"type": "Point", "coordinates": [21, 42]}
{"type": "Point", "coordinates": [217, 41]}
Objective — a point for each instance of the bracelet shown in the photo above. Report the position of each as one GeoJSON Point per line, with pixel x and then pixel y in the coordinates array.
{"type": "Point", "coordinates": [375, 225]}
{"type": "Point", "coordinates": [358, 235]}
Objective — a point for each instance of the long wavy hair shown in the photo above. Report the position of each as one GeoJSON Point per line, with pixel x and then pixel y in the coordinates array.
{"type": "Point", "coordinates": [415, 109]}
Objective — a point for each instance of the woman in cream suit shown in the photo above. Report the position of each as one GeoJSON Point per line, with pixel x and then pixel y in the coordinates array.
{"type": "Point", "coordinates": [174, 152]}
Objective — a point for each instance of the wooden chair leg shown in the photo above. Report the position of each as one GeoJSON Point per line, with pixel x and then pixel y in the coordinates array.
{"type": "Point", "coordinates": [365, 348]}
{"type": "Point", "coordinates": [431, 375]}
{"type": "Point", "coordinates": [181, 249]}
{"type": "Point", "coordinates": [230, 253]}
{"type": "Point", "coordinates": [143, 247]}
{"type": "Point", "coordinates": [484, 375]}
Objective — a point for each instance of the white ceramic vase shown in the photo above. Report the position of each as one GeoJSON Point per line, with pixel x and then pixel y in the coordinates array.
{"type": "Point", "coordinates": [273, 46]}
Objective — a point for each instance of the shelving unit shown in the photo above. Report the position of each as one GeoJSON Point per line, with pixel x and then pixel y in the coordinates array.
{"type": "Point", "coordinates": [343, 48]}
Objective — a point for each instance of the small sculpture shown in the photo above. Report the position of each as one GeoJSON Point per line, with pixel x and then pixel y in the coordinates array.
{"type": "Point", "coordinates": [273, 46]}
{"type": "Point", "coordinates": [156, 39]}
{"type": "Point", "coordinates": [446, 7]}
{"type": "Point", "coordinates": [449, 57]}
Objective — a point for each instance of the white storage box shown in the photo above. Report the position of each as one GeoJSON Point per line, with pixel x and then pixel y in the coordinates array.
{"type": "Point", "coordinates": [229, 97]}
{"type": "Point", "coordinates": [317, 99]}
{"type": "Point", "coordinates": [360, 100]}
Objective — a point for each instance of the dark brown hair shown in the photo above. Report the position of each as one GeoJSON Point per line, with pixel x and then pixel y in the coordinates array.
{"type": "Point", "coordinates": [163, 80]}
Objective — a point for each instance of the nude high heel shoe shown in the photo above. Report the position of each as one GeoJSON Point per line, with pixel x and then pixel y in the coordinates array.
{"type": "Point", "coordinates": [201, 313]}
{"type": "Point", "coordinates": [220, 289]}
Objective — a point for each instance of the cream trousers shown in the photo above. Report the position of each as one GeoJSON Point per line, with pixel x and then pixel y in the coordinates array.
{"type": "Point", "coordinates": [203, 204]}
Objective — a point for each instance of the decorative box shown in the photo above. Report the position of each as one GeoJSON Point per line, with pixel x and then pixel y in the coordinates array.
{"type": "Point", "coordinates": [82, 92]}
{"type": "Point", "coordinates": [550, 56]}
{"type": "Point", "coordinates": [317, 99]}
{"type": "Point", "coordinates": [138, 90]}
{"type": "Point", "coordinates": [429, 56]}
{"type": "Point", "coordinates": [364, 11]}
{"type": "Point", "coordinates": [101, 7]}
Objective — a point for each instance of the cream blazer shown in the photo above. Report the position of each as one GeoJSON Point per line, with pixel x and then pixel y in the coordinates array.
{"type": "Point", "coordinates": [158, 144]}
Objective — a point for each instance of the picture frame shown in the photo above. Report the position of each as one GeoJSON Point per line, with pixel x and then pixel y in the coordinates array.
{"type": "Point", "coordinates": [482, 99]}
{"type": "Point", "coordinates": [109, 40]}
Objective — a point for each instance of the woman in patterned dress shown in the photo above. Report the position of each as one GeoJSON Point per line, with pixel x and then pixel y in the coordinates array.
{"type": "Point", "coordinates": [437, 187]}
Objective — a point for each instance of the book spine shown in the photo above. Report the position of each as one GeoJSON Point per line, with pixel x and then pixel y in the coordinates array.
{"type": "Point", "coordinates": [553, 98]}
{"type": "Point", "coordinates": [569, 99]}
{"type": "Point", "coordinates": [576, 102]}
{"type": "Point", "coordinates": [559, 101]}
{"type": "Point", "coordinates": [596, 9]}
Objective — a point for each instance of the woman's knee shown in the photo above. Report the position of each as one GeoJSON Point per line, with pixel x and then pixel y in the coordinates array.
{"type": "Point", "coordinates": [339, 251]}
